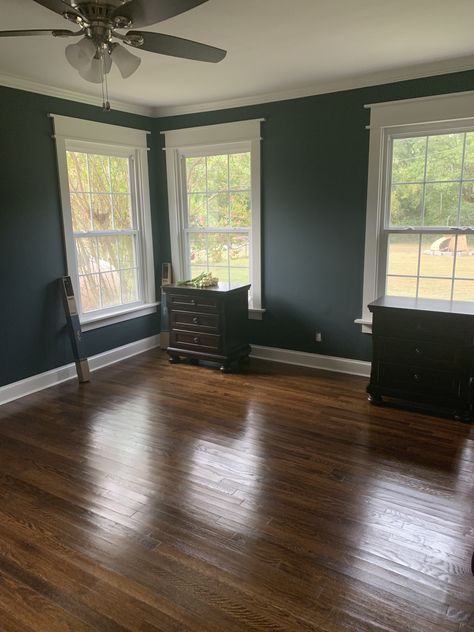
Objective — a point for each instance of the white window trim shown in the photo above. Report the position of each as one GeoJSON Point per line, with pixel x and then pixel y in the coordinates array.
{"type": "Point", "coordinates": [445, 112]}
{"type": "Point", "coordinates": [120, 140]}
{"type": "Point", "coordinates": [206, 140]}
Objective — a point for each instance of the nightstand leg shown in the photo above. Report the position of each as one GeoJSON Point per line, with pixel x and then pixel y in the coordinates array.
{"type": "Point", "coordinates": [375, 400]}
{"type": "Point", "coordinates": [174, 359]}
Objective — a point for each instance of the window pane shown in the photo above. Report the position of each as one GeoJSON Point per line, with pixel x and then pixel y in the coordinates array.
{"type": "Point", "coordinates": [90, 292]}
{"type": "Point", "coordinates": [99, 174]}
{"type": "Point", "coordinates": [467, 205]}
{"type": "Point", "coordinates": [87, 262]}
{"type": "Point", "coordinates": [196, 174]}
{"type": "Point", "coordinates": [122, 212]}
{"type": "Point", "coordinates": [240, 215]}
{"type": "Point", "coordinates": [441, 204]}
{"type": "Point", "coordinates": [444, 159]}
{"type": "Point", "coordinates": [102, 212]}
{"type": "Point", "coordinates": [403, 252]}
{"type": "Point", "coordinates": [110, 286]}
{"type": "Point", "coordinates": [469, 157]}
{"type": "Point", "coordinates": [217, 173]}
{"type": "Point", "coordinates": [437, 255]}
{"type": "Point", "coordinates": [197, 210]}
{"type": "Point", "coordinates": [77, 171]}
{"type": "Point", "coordinates": [463, 290]}
{"type": "Point", "coordinates": [195, 270]}
{"type": "Point", "coordinates": [400, 286]}
{"type": "Point", "coordinates": [126, 251]}
{"type": "Point", "coordinates": [129, 282]}
{"type": "Point", "coordinates": [405, 205]}
{"type": "Point", "coordinates": [218, 249]}
{"type": "Point", "coordinates": [239, 250]}
{"type": "Point", "coordinates": [198, 249]}
{"type": "Point", "coordinates": [408, 160]}
{"type": "Point", "coordinates": [220, 272]}
{"type": "Point", "coordinates": [435, 288]}
{"type": "Point", "coordinates": [119, 171]}
{"type": "Point", "coordinates": [239, 171]}
{"type": "Point", "coordinates": [108, 254]}
{"type": "Point", "coordinates": [218, 210]}
{"type": "Point", "coordinates": [465, 257]}
{"type": "Point", "coordinates": [81, 212]}
{"type": "Point", "coordinates": [239, 276]}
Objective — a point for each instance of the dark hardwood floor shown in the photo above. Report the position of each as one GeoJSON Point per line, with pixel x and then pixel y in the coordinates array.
{"type": "Point", "coordinates": [163, 497]}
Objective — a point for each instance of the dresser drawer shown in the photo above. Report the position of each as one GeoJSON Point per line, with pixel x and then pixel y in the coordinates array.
{"type": "Point", "coordinates": [419, 352]}
{"type": "Point", "coordinates": [194, 340]}
{"type": "Point", "coordinates": [196, 303]}
{"type": "Point", "coordinates": [195, 321]}
{"type": "Point", "coordinates": [418, 379]}
{"type": "Point", "coordinates": [422, 326]}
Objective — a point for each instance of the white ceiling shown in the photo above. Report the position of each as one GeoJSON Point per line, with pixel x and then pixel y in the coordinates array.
{"type": "Point", "coordinates": [274, 46]}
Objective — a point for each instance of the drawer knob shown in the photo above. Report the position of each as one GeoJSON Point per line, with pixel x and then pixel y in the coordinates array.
{"type": "Point", "coordinates": [196, 340]}
{"type": "Point", "coordinates": [417, 378]}
{"type": "Point", "coordinates": [193, 302]}
{"type": "Point", "coordinates": [418, 351]}
{"type": "Point", "coordinates": [196, 320]}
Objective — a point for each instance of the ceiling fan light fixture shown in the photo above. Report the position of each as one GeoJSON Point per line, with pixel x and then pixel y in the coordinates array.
{"type": "Point", "coordinates": [81, 54]}
{"type": "Point", "coordinates": [98, 67]}
{"type": "Point", "coordinates": [126, 62]}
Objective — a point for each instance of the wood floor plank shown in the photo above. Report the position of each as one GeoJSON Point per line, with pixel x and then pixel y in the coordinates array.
{"type": "Point", "coordinates": [173, 498]}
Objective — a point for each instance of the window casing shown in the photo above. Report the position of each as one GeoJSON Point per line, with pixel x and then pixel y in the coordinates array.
{"type": "Point", "coordinates": [106, 217]}
{"type": "Point", "coordinates": [420, 225]}
{"type": "Point", "coordinates": [214, 202]}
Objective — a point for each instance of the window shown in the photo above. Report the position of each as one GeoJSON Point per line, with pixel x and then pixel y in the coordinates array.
{"type": "Point", "coordinates": [214, 200]}
{"type": "Point", "coordinates": [105, 200]}
{"type": "Point", "coordinates": [420, 205]}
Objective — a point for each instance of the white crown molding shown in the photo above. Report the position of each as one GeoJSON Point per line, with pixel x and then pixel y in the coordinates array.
{"type": "Point", "coordinates": [63, 373]}
{"type": "Point", "coordinates": [407, 73]}
{"type": "Point", "coordinates": [312, 360]}
{"type": "Point", "coordinates": [10, 81]}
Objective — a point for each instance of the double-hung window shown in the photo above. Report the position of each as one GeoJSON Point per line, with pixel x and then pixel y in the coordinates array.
{"type": "Point", "coordinates": [214, 201]}
{"type": "Point", "coordinates": [420, 207]}
{"type": "Point", "coordinates": [106, 216]}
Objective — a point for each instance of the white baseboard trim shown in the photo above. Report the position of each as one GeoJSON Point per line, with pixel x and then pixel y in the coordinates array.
{"type": "Point", "coordinates": [312, 360]}
{"type": "Point", "coordinates": [63, 373]}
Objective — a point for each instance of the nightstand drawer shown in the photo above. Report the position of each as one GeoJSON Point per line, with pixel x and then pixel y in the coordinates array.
{"type": "Point", "coordinates": [195, 321]}
{"type": "Point", "coordinates": [194, 340]}
{"type": "Point", "coordinates": [418, 379]}
{"type": "Point", "coordinates": [419, 352]}
{"type": "Point", "coordinates": [194, 303]}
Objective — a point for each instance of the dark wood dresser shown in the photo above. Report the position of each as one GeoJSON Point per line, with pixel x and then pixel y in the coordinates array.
{"type": "Point", "coordinates": [208, 324]}
{"type": "Point", "coordinates": [423, 352]}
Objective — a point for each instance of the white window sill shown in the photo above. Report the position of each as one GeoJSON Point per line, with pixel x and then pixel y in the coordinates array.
{"type": "Point", "coordinates": [366, 325]}
{"type": "Point", "coordinates": [256, 313]}
{"type": "Point", "coordinates": [119, 316]}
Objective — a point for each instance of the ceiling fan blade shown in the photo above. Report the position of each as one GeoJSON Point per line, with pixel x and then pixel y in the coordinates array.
{"type": "Point", "coordinates": [145, 12]}
{"type": "Point", "coordinates": [32, 32]}
{"type": "Point", "coordinates": [58, 6]}
{"type": "Point", "coordinates": [176, 46]}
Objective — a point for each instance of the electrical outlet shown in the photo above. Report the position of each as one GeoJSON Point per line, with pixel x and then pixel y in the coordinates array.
{"type": "Point", "coordinates": [318, 337]}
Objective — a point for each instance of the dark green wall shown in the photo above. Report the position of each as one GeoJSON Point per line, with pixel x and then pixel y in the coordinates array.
{"type": "Point", "coordinates": [314, 183]}
{"type": "Point", "coordinates": [314, 180]}
{"type": "Point", "coordinates": [32, 324]}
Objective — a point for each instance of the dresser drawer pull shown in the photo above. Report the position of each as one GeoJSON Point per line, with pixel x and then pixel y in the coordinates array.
{"type": "Point", "coordinates": [196, 340]}
{"type": "Point", "coordinates": [417, 378]}
{"type": "Point", "coordinates": [192, 301]}
{"type": "Point", "coordinates": [418, 350]}
{"type": "Point", "coordinates": [196, 320]}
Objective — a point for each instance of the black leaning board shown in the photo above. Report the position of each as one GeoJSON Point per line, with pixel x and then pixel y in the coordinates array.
{"type": "Point", "coordinates": [74, 327]}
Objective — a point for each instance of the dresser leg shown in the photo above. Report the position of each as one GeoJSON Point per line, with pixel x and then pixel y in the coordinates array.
{"type": "Point", "coordinates": [225, 368]}
{"type": "Point", "coordinates": [174, 359]}
{"type": "Point", "coordinates": [375, 400]}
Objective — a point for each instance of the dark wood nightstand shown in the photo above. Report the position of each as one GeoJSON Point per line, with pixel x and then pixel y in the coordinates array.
{"type": "Point", "coordinates": [423, 352]}
{"type": "Point", "coordinates": [208, 324]}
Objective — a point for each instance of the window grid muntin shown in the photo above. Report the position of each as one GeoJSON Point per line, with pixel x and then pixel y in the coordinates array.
{"type": "Point", "coordinates": [96, 234]}
{"type": "Point", "coordinates": [217, 230]}
{"type": "Point", "coordinates": [388, 229]}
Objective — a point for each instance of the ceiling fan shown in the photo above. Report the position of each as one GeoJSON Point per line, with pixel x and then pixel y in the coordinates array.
{"type": "Point", "coordinates": [100, 21]}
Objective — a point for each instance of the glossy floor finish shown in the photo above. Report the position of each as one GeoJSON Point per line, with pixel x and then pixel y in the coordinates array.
{"type": "Point", "coordinates": [171, 497]}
